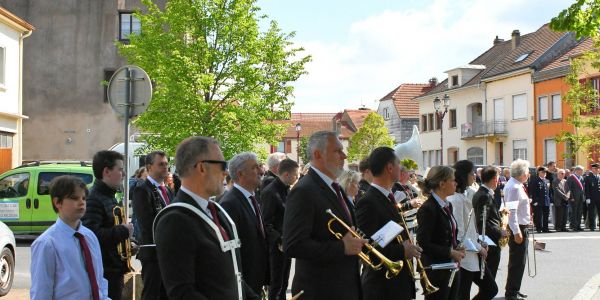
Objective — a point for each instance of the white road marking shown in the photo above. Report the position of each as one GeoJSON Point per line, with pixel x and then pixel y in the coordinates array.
{"type": "Point", "coordinates": [575, 237]}
{"type": "Point", "coordinates": [589, 289]}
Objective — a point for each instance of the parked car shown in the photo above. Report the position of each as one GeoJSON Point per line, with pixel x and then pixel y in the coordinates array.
{"type": "Point", "coordinates": [7, 259]}
{"type": "Point", "coordinates": [25, 205]}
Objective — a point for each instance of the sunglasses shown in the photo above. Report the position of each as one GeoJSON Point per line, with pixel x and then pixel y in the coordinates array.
{"type": "Point", "coordinates": [224, 164]}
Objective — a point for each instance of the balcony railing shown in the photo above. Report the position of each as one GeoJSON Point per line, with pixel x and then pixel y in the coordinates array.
{"type": "Point", "coordinates": [481, 129]}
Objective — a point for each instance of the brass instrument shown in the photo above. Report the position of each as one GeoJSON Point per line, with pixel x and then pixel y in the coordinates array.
{"type": "Point", "coordinates": [297, 296]}
{"type": "Point", "coordinates": [393, 267]}
{"type": "Point", "coordinates": [533, 247]}
{"type": "Point", "coordinates": [428, 288]}
{"type": "Point", "coordinates": [124, 247]}
{"type": "Point", "coordinates": [461, 246]}
{"type": "Point", "coordinates": [482, 261]}
{"type": "Point", "coordinates": [503, 241]}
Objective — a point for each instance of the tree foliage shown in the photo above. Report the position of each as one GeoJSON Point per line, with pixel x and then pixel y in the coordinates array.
{"type": "Point", "coordinates": [582, 17]}
{"type": "Point", "coordinates": [215, 73]}
{"type": "Point", "coordinates": [303, 149]}
{"type": "Point", "coordinates": [409, 164]}
{"type": "Point", "coordinates": [371, 135]}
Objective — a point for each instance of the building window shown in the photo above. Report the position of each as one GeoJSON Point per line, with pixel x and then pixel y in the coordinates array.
{"type": "Point", "coordinates": [543, 108]}
{"type": "Point", "coordinates": [128, 24]}
{"type": "Point", "coordinates": [432, 161]}
{"type": "Point", "coordinates": [520, 149]}
{"type": "Point", "coordinates": [431, 122]}
{"type": "Point", "coordinates": [424, 123]}
{"type": "Point", "coordinates": [425, 159]}
{"type": "Point", "coordinates": [6, 140]}
{"type": "Point", "coordinates": [2, 66]}
{"type": "Point", "coordinates": [281, 147]}
{"type": "Point", "coordinates": [108, 73]}
{"type": "Point", "coordinates": [519, 107]}
{"type": "Point", "coordinates": [386, 114]}
{"type": "Point", "coordinates": [549, 150]}
{"type": "Point", "coordinates": [475, 155]}
{"type": "Point", "coordinates": [556, 107]}
{"type": "Point", "coordinates": [452, 118]}
{"type": "Point", "coordinates": [455, 80]}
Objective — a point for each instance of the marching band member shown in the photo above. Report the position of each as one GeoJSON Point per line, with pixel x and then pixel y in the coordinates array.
{"type": "Point", "coordinates": [462, 208]}
{"type": "Point", "coordinates": [373, 211]}
{"type": "Point", "coordinates": [326, 267]}
{"type": "Point", "coordinates": [436, 232]}
{"type": "Point", "coordinates": [517, 201]}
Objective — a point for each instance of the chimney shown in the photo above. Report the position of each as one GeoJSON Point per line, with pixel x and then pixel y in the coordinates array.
{"type": "Point", "coordinates": [433, 82]}
{"type": "Point", "coordinates": [498, 41]}
{"type": "Point", "coordinates": [516, 38]}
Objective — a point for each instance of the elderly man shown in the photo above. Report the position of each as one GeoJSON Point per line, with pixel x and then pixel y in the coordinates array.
{"type": "Point", "coordinates": [561, 199]}
{"type": "Point", "coordinates": [273, 161]}
{"type": "Point", "coordinates": [241, 204]}
{"type": "Point", "coordinates": [326, 267]}
{"type": "Point", "coordinates": [517, 201]}
{"type": "Point", "coordinates": [592, 195]}
{"type": "Point", "coordinates": [539, 191]}
{"type": "Point", "coordinates": [192, 233]}
{"type": "Point", "coordinates": [576, 192]}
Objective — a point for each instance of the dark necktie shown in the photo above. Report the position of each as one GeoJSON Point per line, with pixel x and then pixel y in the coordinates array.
{"type": "Point", "coordinates": [163, 191]}
{"type": "Point", "coordinates": [258, 216]}
{"type": "Point", "coordinates": [89, 266]}
{"type": "Point", "coordinates": [392, 199]}
{"type": "Point", "coordinates": [338, 192]}
{"type": "Point", "coordinates": [215, 217]}
{"type": "Point", "coordinates": [453, 226]}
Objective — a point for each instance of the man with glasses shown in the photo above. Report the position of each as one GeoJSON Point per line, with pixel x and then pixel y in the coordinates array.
{"type": "Point", "coordinates": [196, 242]}
{"type": "Point", "coordinates": [242, 205]}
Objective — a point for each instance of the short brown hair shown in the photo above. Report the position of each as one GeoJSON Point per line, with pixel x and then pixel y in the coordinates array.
{"type": "Point", "coordinates": [65, 186]}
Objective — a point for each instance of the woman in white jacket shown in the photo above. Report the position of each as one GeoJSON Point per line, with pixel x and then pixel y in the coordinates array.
{"type": "Point", "coordinates": [462, 205]}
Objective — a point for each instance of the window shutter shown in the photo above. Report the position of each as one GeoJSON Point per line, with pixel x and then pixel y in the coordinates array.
{"type": "Point", "coordinates": [288, 146]}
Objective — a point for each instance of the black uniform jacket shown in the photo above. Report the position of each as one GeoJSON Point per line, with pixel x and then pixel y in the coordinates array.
{"type": "Point", "coordinates": [323, 271]}
{"type": "Point", "coordinates": [481, 199]}
{"type": "Point", "coordinates": [434, 233]}
{"type": "Point", "coordinates": [273, 208]}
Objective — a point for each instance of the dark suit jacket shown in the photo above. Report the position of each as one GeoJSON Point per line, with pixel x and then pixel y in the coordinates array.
{"type": "Point", "coordinates": [539, 191]}
{"type": "Point", "coordinates": [573, 187]}
{"type": "Point", "coordinates": [592, 187]}
{"type": "Point", "coordinates": [273, 208]}
{"type": "Point", "coordinates": [255, 254]}
{"type": "Point", "coordinates": [190, 258]}
{"type": "Point", "coordinates": [146, 203]}
{"type": "Point", "coordinates": [373, 211]}
{"type": "Point", "coordinates": [434, 233]}
{"type": "Point", "coordinates": [560, 193]}
{"type": "Point", "coordinates": [323, 271]}
{"type": "Point", "coordinates": [493, 219]}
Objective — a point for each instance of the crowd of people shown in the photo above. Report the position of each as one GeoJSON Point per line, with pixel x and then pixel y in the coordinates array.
{"type": "Point", "coordinates": [229, 229]}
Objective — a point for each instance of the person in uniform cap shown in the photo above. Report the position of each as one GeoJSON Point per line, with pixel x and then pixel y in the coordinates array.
{"type": "Point", "coordinates": [539, 191]}
{"type": "Point", "coordinates": [592, 195]}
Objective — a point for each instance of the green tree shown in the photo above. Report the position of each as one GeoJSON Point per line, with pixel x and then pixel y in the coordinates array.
{"type": "Point", "coordinates": [303, 147]}
{"type": "Point", "coordinates": [582, 17]}
{"type": "Point", "coordinates": [371, 135]}
{"type": "Point", "coordinates": [409, 164]}
{"type": "Point", "coordinates": [215, 73]}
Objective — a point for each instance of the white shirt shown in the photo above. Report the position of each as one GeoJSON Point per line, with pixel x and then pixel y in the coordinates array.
{"type": "Point", "coordinates": [247, 194]}
{"type": "Point", "coordinates": [325, 178]}
{"type": "Point", "coordinates": [203, 203]}
{"type": "Point", "coordinates": [461, 207]}
{"type": "Point", "coordinates": [514, 192]}
{"type": "Point", "coordinates": [384, 191]}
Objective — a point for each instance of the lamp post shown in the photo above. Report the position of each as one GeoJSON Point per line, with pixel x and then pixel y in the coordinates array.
{"type": "Point", "coordinates": [298, 128]}
{"type": "Point", "coordinates": [438, 105]}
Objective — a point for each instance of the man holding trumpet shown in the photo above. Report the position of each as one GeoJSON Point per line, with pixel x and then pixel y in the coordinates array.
{"type": "Point", "coordinates": [374, 211]}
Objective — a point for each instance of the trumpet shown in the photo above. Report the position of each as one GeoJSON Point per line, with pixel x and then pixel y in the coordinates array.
{"type": "Point", "coordinates": [428, 288]}
{"type": "Point", "coordinates": [531, 273]}
{"type": "Point", "coordinates": [393, 267]}
{"type": "Point", "coordinates": [124, 247]}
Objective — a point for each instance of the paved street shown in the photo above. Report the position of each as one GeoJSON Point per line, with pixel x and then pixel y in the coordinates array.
{"type": "Point", "coordinates": [571, 261]}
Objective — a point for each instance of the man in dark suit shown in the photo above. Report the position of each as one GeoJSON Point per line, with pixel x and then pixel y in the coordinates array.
{"type": "Point", "coordinates": [150, 197]}
{"type": "Point", "coordinates": [326, 267]}
{"type": "Point", "coordinates": [191, 242]}
{"type": "Point", "coordinates": [243, 208]}
{"type": "Point", "coordinates": [273, 199]}
{"type": "Point", "coordinates": [576, 197]}
{"type": "Point", "coordinates": [273, 161]}
{"type": "Point", "coordinates": [484, 199]}
{"type": "Point", "coordinates": [560, 201]}
{"type": "Point", "coordinates": [375, 210]}
{"type": "Point", "coordinates": [592, 195]}
{"type": "Point", "coordinates": [365, 178]}
{"type": "Point", "coordinates": [539, 192]}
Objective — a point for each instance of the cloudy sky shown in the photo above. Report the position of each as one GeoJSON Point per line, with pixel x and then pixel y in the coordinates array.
{"type": "Point", "coordinates": [362, 50]}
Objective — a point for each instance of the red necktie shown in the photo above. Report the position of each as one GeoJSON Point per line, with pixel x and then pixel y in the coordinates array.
{"type": "Point", "coordinates": [215, 217]}
{"type": "Point", "coordinates": [449, 213]}
{"type": "Point", "coordinates": [163, 191]}
{"type": "Point", "coordinates": [258, 216]}
{"type": "Point", "coordinates": [392, 199]}
{"type": "Point", "coordinates": [89, 266]}
{"type": "Point", "coordinates": [336, 187]}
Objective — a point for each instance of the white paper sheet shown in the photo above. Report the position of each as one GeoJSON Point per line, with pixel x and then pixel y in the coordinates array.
{"type": "Point", "coordinates": [399, 196]}
{"type": "Point", "coordinates": [387, 233]}
{"type": "Point", "coordinates": [487, 240]}
{"type": "Point", "coordinates": [470, 246]}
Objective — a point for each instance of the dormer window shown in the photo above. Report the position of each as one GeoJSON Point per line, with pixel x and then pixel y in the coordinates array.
{"type": "Point", "coordinates": [522, 57]}
{"type": "Point", "coordinates": [454, 80]}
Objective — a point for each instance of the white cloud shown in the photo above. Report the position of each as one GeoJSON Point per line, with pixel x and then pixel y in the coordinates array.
{"type": "Point", "coordinates": [409, 46]}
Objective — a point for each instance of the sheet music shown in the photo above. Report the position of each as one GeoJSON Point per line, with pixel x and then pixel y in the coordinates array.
{"type": "Point", "coordinates": [470, 246]}
{"type": "Point", "coordinates": [399, 196]}
{"type": "Point", "coordinates": [486, 239]}
{"type": "Point", "coordinates": [387, 233]}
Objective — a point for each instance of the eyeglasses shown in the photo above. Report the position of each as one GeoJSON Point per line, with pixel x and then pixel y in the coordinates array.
{"type": "Point", "coordinates": [224, 164]}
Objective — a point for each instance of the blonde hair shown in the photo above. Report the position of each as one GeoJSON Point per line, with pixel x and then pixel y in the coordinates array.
{"type": "Point", "coordinates": [347, 177]}
{"type": "Point", "coordinates": [435, 177]}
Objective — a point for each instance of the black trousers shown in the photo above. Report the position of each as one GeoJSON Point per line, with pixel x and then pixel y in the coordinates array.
{"type": "Point", "coordinates": [517, 257]}
{"type": "Point", "coordinates": [153, 287]}
{"type": "Point", "coordinates": [493, 259]}
{"type": "Point", "coordinates": [577, 211]}
{"type": "Point", "coordinates": [487, 286]}
{"type": "Point", "coordinates": [115, 285]}
{"type": "Point", "coordinates": [440, 279]}
{"type": "Point", "coordinates": [560, 222]}
{"type": "Point", "coordinates": [280, 273]}
{"type": "Point", "coordinates": [540, 217]}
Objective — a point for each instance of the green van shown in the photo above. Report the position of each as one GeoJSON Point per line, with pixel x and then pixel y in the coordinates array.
{"type": "Point", "coordinates": [25, 204]}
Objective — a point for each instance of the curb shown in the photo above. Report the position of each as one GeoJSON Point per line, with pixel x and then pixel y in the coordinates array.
{"type": "Point", "coordinates": [589, 289]}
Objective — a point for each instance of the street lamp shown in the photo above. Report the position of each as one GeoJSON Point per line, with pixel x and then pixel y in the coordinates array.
{"type": "Point", "coordinates": [438, 105]}
{"type": "Point", "coordinates": [298, 128]}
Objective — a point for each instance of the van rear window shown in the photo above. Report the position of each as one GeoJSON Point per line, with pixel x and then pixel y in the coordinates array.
{"type": "Point", "coordinates": [44, 179]}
